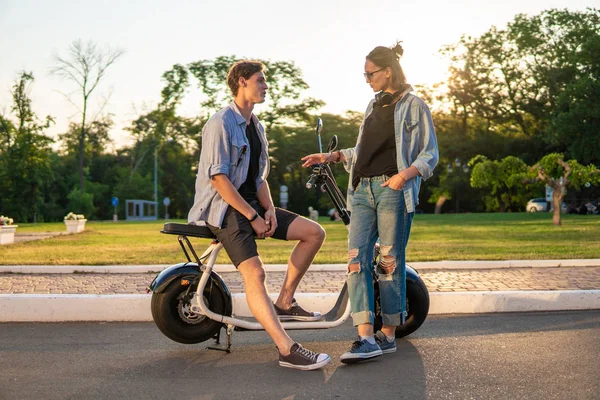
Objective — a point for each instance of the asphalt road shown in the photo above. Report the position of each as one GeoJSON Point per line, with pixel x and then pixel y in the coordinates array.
{"type": "Point", "coordinates": [494, 356]}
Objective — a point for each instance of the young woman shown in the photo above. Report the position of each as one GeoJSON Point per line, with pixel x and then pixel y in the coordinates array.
{"type": "Point", "coordinates": [396, 148]}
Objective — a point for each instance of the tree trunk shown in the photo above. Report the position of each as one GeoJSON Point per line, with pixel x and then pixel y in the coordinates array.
{"type": "Point", "coordinates": [439, 203]}
{"type": "Point", "coordinates": [557, 202]}
{"type": "Point", "coordinates": [82, 145]}
{"type": "Point", "coordinates": [34, 191]}
{"type": "Point", "coordinates": [81, 157]}
{"type": "Point", "coordinates": [137, 163]}
{"type": "Point", "coordinates": [465, 119]}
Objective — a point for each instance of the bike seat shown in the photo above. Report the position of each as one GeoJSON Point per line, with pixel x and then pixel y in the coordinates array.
{"type": "Point", "coordinates": [172, 228]}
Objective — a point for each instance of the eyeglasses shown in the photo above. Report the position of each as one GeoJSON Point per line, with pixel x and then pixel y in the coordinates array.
{"type": "Point", "coordinates": [369, 75]}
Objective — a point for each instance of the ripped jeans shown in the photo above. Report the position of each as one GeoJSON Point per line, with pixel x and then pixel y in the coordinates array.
{"type": "Point", "coordinates": [378, 212]}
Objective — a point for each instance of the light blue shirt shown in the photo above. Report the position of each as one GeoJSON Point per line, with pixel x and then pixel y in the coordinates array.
{"type": "Point", "coordinates": [416, 144]}
{"type": "Point", "coordinates": [225, 150]}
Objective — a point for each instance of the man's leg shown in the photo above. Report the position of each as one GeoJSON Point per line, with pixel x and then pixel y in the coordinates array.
{"type": "Point", "coordinates": [310, 236]}
{"type": "Point", "coordinates": [260, 303]}
{"type": "Point", "coordinates": [291, 354]}
{"type": "Point", "coordinates": [237, 237]}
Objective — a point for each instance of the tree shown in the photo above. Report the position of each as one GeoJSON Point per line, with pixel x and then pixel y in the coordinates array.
{"type": "Point", "coordinates": [576, 122]}
{"type": "Point", "coordinates": [456, 143]}
{"type": "Point", "coordinates": [504, 181]}
{"type": "Point", "coordinates": [559, 174]}
{"type": "Point", "coordinates": [97, 137]}
{"type": "Point", "coordinates": [85, 66]}
{"type": "Point", "coordinates": [485, 77]}
{"type": "Point", "coordinates": [137, 186]}
{"type": "Point", "coordinates": [177, 180]}
{"type": "Point", "coordinates": [168, 135]}
{"type": "Point", "coordinates": [293, 143]}
{"type": "Point", "coordinates": [24, 155]}
{"type": "Point", "coordinates": [285, 89]}
{"type": "Point", "coordinates": [531, 79]}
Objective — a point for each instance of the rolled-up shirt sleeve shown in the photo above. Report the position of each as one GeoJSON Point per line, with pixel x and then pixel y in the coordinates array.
{"type": "Point", "coordinates": [348, 156]}
{"type": "Point", "coordinates": [215, 155]}
{"type": "Point", "coordinates": [428, 147]}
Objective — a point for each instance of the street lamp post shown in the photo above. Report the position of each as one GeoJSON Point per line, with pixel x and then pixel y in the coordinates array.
{"type": "Point", "coordinates": [156, 175]}
{"type": "Point", "coordinates": [156, 180]}
{"type": "Point", "coordinates": [465, 168]}
{"type": "Point", "coordinates": [156, 171]}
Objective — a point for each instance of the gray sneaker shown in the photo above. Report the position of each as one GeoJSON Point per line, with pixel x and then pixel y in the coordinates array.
{"type": "Point", "coordinates": [304, 359]}
{"type": "Point", "coordinates": [385, 345]}
{"type": "Point", "coordinates": [296, 313]}
{"type": "Point", "coordinates": [361, 350]}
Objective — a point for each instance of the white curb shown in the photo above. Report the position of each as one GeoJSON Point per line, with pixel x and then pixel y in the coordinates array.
{"type": "Point", "coordinates": [419, 266]}
{"type": "Point", "coordinates": [135, 307]}
{"type": "Point", "coordinates": [139, 269]}
{"type": "Point", "coordinates": [513, 301]}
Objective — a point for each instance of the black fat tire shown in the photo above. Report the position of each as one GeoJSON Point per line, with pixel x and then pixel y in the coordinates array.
{"type": "Point", "coordinates": [417, 299]}
{"type": "Point", "coordinates": [166, 305]}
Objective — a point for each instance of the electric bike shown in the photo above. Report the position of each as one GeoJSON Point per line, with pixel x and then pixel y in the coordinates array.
{"type": "Point", "coordinates": [191, 303]}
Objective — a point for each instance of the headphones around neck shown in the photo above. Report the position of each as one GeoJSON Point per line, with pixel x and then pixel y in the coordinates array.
{"type": "Point", "coordinates": [385, 98]}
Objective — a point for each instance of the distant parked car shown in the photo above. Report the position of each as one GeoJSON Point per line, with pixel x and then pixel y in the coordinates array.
{"type": "Point", "coordinates": [535, 205]}
{"type": "Point", "coordinates": [540, 204]}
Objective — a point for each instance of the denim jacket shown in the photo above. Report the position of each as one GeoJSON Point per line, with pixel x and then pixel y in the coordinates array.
{"type": "Point", "coordinates": [416, 144]}
{"type": "Point", "coordinates": [225, 150]}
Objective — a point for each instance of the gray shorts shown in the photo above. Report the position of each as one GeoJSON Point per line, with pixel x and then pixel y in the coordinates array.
{"type": "Point", "coordinates": [237, 235]}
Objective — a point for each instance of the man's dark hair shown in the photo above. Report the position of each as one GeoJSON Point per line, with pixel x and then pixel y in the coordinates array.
{"type": "Point", "coordinates": [242, 69]}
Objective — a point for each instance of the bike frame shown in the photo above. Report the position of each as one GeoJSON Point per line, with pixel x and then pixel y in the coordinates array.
{"type": "Point", "coordinates": [335, 317]}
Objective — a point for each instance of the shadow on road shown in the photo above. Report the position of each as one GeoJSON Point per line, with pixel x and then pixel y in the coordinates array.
{"type": "Point", "coordinates": [484, 324]}
{"type": "Point", "coordinates": [251, 373]}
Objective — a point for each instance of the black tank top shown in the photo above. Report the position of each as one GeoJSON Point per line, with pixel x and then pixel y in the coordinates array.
{"type": "Point", "coordinates": [248, 188]}
{"type": "Point", "coordinates": [377, 155]}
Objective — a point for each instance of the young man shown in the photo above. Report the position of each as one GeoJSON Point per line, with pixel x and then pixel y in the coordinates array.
{"type": "Point", "coordinates": [233, 199]}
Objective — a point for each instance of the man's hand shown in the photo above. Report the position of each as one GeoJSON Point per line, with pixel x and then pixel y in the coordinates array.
{"type": "Point", "coordinates": [396, 182]}
{"type": "Point", "coordinates": [260, 227]}
{"type": "Point", "coordinates": [270, 221]}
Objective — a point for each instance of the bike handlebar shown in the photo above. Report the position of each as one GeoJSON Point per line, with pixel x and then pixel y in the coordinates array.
{"type": "Point", "coordinates": [311, 182]}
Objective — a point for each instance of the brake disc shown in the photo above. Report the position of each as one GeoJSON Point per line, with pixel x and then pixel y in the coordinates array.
{"type": "Point", "coordinates": [187, 315]}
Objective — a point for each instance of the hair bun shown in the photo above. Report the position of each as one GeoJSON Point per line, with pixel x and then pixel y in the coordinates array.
{"type": "Point", "coordinates": [397, 48]}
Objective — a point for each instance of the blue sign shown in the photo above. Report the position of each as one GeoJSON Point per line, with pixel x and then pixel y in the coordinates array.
{"type": "Point", "coordinates": [115, 201]}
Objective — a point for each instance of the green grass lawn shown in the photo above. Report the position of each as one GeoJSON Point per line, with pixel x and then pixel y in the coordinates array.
{"type": "Point", "coordinates": [434, 237]}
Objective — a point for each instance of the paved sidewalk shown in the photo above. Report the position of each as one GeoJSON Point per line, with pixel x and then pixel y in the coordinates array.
{"type": "Point", "coordinates": [27, 237]}
{"type": "Point", "coordinates": [455, 280]}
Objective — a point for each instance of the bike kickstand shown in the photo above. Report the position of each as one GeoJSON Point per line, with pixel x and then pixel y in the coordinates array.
{"type": "Point", "coordinates": [228, 332]}
{"type": "Point", "coordinates": [228, 338]}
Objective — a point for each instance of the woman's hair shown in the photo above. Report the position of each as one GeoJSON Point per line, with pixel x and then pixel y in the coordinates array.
{"type": "Point", "coordinates": [242, 69]}
{"type": "Point", "coordinates": [385, 57]}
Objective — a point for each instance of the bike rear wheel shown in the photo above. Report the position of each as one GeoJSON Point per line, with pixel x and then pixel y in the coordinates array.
{"type": "Point", "coordinates": [417, 305]}
{"type": "Point", "coordinates": [172, 314]}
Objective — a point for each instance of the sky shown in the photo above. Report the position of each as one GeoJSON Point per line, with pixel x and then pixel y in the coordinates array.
{"type": "Point", "coordinates": [327, 39]}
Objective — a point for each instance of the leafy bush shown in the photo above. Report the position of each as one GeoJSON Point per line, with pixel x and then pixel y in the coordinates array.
{"type": "Point", "coordinates": [81, 202]}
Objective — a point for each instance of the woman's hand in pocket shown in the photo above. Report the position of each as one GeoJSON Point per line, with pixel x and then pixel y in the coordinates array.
{"type": "Point", "coordinates": [396, 182]}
